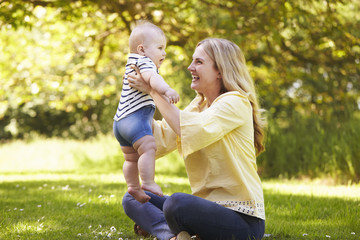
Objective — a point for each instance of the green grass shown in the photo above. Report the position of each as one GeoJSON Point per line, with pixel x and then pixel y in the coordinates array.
{"type": "Point", "coordinates": [77, 195]}
{"type": "Point", "coordinates": [68, 206]}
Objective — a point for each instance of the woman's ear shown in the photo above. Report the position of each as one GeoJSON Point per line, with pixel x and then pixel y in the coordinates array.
{"type": "Point", "coordinates": [140, 49]}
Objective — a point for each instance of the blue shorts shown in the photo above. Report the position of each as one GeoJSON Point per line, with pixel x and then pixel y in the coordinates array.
{"type": "Point", "coordinates": [135, 126]}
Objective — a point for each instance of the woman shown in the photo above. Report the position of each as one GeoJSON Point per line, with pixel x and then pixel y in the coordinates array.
{"type": "Point", "coordinates": [219, 135]}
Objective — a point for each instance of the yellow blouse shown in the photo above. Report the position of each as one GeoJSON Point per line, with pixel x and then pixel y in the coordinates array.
{"type": "Point", "coordinates": [217, 144]}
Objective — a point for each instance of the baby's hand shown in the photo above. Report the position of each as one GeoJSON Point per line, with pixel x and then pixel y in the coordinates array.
{"type": "Point", "coordinates": [172, 95]}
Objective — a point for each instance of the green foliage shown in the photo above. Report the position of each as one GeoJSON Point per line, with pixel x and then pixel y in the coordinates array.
{"type": "Point", "coordinates": [62, 63]}
{"type": "Point", "coordinates": [309, 146]}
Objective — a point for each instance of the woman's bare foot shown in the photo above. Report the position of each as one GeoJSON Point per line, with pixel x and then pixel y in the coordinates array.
{"type": "Point", "coordinates": [152, 187]}
{"type": "Point", "coordinates": [138, 194]}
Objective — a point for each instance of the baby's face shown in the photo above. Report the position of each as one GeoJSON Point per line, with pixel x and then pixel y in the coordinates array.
{"type": "Point", "coordinates": [154, 48]}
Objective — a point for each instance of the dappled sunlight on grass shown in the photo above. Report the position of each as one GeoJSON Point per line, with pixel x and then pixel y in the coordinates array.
{"type": "Point", "coordinates": [27, 227]}
{"type": "Point", "coordinates": [60, 155]}
{"type": "Point", "coordinates": [84, 202]}
{"type": "Point", "coordinates": [312, 188]}
{"type": "Point", "coordinates": [62, 206]}
{"type": "Point", "coordinates": [291, 214]}
{"type": "Point", "coordinates": [54, 176]}
{"type": "Point", "coordinates": [68, 206]}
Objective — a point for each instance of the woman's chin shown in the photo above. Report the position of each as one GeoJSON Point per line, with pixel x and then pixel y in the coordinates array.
{"type": "Point", "coordinates": [193, 86]}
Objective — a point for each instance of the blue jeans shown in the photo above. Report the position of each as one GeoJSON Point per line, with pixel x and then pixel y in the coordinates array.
{"type": "Point", "coordinates": [134, 126]}
{"type": "Point", "coordinates": [164, 217]}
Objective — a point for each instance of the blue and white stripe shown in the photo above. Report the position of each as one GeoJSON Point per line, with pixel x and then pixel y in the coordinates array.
{"type": "Point", "coordinates": [132, 99]}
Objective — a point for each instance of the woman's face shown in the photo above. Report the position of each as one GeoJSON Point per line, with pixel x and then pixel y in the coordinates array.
{"type": "Point", "coordinates": [205, 78]}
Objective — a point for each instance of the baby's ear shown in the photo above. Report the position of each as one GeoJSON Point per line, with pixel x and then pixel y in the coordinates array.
{"type": "Point", "coordinates": [140, 49]}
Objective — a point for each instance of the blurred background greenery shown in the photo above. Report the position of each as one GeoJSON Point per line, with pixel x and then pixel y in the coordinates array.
{"type": "Point", "coordinates": [61, 67]}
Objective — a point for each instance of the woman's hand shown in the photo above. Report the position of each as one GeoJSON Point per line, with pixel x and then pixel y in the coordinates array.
{"type": "Point", "coordinates": [136, 81]}
{"type": "Point", "coordinates": [169, 111]}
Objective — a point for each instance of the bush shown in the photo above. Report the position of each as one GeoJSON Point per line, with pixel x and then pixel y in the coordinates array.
{"type": "Point", "coordinates": [313, 147]}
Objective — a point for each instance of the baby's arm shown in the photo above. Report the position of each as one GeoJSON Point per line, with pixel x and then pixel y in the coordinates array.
{"type": "Point", "coordinates": [157, 83]}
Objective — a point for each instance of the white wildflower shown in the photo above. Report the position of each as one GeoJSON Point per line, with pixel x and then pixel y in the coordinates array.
{"type": "Point", "coordinates": [328, 236]}
{"type": "Point", "coordinates": [21, 210]}
{"type": "Point", "coordinates": [79, 235]}
{"type": "Point", "coordinates": [39, 206]}
{"type": "Point", "coordinates": [112, 195]}
{"type": "Point", "coordinates": [100, 196]}
{"type": "Point", "coordinates": [305, 234]}
{"type": "Point", "coordinates": [113, 229]}
{"type": "Point", "coordinates": [352, 233]}
{"type": "Point", "coordinates": [80, 204]}
{"type": "Point", "coordinates": [89, 226]}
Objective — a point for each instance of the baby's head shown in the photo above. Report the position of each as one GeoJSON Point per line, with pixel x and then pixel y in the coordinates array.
{"type": "Point", "coordinates": [148, 40]}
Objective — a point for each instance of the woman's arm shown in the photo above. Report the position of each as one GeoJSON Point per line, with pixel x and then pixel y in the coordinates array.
{"type": "Point", "coordinates": [169, 111]}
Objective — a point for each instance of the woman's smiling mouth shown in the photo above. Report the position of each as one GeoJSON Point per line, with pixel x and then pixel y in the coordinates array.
{"type": "Point", "coordinates": [195, 78]}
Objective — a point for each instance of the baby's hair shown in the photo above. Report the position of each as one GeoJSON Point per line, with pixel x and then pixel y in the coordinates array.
{"type": "Point", "coordinates": [138, 33]}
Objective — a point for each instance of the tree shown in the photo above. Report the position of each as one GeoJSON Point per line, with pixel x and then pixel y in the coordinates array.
{"type": "Point", "coordinates": [61, 64]}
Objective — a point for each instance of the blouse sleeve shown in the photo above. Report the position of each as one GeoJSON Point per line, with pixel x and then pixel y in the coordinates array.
{"type": "Point", "coordinates": [200, 129]}
{"type": "Point", "coordinates": [165, 138]}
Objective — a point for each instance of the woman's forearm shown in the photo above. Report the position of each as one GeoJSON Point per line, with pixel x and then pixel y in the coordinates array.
{"type": "Point", "coordinates": [169, 111]}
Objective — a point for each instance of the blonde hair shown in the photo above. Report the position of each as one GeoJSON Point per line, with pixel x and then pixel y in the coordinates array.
{"type": "Point", "coordinates": [140, 33]}
{"type": "Point", "coordinates": [230, 61]}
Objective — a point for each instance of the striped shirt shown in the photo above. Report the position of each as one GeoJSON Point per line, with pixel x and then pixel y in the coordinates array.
{"type": "Point", "coordinates": [131, 99]}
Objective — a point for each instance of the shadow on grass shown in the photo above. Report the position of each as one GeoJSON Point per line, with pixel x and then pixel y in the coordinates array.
{"type": "Point", "coordinates": [75, 206]}
{"type": "Point", "coordinates": [66, 209]}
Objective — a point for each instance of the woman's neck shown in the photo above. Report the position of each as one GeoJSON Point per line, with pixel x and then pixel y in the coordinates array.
{"type": "Point", "coordinates": [210, 98]}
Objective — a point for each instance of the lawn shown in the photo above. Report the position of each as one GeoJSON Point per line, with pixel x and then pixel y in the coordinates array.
{"type": "Point", "coordinates": [83, 199]}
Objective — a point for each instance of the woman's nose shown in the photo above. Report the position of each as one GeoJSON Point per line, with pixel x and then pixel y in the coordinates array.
{"type": "Point", "coordinates": [190, 67]}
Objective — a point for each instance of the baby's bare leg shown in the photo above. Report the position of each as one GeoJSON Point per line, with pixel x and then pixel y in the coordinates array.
{"type": "Point", "coordinates": [131, 174]}
{"type": "Point", "coordinates": [146, 148]}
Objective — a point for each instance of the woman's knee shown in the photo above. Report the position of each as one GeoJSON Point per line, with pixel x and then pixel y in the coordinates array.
{"type": "Point", "coordinates": [175, 204]}
{"type": "Point", "coordinates": [127, 202]}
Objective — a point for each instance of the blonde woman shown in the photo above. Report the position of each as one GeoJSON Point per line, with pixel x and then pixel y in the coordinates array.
{"type": "Point", "coordinates": [219, 135]}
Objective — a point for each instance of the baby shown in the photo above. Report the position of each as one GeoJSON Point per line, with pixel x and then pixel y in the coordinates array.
{"type": "Point", "coordinates": [133, 119]}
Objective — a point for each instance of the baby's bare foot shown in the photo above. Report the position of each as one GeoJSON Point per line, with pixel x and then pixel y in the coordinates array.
{"type": "Point", "coordinates": [152, 187]}
{"type": "Point", "coordinates": [139, 194]}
